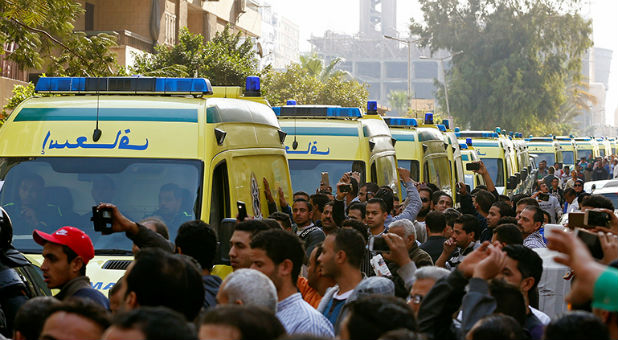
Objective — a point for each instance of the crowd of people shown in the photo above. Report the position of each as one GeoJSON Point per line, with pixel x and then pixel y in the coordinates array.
{"type": "Point", "coordinates": [350, 262]}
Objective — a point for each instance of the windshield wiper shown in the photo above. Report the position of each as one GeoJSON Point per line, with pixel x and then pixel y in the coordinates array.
{"type": "Point", "coordinates": [112, 252]}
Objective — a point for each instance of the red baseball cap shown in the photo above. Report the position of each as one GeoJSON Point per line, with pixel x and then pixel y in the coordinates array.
{"type": "Point", "coordinates": [71, 237]}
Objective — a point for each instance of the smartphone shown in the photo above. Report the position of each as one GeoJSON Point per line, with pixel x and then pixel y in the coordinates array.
{"type": "Point", "coordinates": [592, 242]}
{"type": "Point", "coordinates": [576, 220]}
{"type": "Point", "coordinates": [473, 166]}
{"type": "Point", "coordinates": [242, 210]}
{"type": "Point", "coordinates": [378, 244]}
{"type": "Point", "coordinates": [102, 220]}
{"type": "Point", "coordinates": [345, 187]}
{"type": "Point", "coordinates": [325, 180]}
{"type": "Point", "coordinates": [596, 218]}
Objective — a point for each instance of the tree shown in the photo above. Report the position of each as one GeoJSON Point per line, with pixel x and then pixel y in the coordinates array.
{"type": "Point", "coordinates": [307, 87]}
{"type": "Point", "coordinates": [314, 66]}
{"type": "Point", "coordinates": [225, 60]}
{"type": "Point", "coordinates": [398, 101]}
{"type": "Point", "coordinates": [42, 31]}
{"type": "Point", "coordinates": [518, 59]}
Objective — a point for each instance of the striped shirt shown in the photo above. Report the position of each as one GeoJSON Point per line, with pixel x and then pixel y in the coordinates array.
{"type": "Point", "coordinates": [534, 240]}
{"type": "Point", "coordinates": [298, 317]}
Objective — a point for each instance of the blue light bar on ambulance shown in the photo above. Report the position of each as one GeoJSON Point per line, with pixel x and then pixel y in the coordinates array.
{"type": "Point", "coordinates": [441, 127]}
{"type": "Point", "coordinates": [469, 141]}
{"type": "Point", "coordinates": [290, 102]}
{"type": "Point", "coordinates": [252, 87]}
{"type": "Point", "coordinates": [498, 130]}
{"type": "Point", "coordinates": [447, 123]}
{"type": "Point", "coordinates": [390, 121]}
{"type": "Point", "coordinates": [463, 146]}
{"type": "Point", "coordinates": [317, 111]}
{"type": "Point", "coordinates": [457, 129]}
{"type": "Point", "coordinates": [428, 118]}
{"type": "Point", "coordinates": [123, 85]}
{"type": "Point", "coordinates": [372, 107]}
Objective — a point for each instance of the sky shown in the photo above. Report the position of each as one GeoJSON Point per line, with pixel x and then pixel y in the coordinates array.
{"type": "Point", "coordinates": [341, 16]}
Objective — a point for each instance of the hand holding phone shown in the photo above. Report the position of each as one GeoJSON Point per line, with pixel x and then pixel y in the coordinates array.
{"type": "Point", "coordinates": [473, 166]}
{"type": "Point", "coordinates": [592, 242]}
{"type": "Point", "coordinates": [102, 220]}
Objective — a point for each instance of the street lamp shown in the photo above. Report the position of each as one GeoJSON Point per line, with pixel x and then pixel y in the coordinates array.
{"type": "Point", "coordinates": [448, 109]}
{"type": "Point", "coordinates": [409, 43]}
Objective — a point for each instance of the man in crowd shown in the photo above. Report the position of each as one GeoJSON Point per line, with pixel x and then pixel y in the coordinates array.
{"type": "Point", "coordinates": [376, 215]}
{"type": "Point", "coordinates": [463, 241]}
{"type": "Point", "coordinates": [240, 250]}
{"type": "Point", "coordinates": [367, 191]}
{"type": "Point", "coordinates": [438, 232]}
{"type": "Point", "coordinates": [441, 201]}
{"type": "Point", "coordinates": [341, 259]}
{"type": "Point", "coordinates": [424, 279]}
{"type": "Point", "coordinates": [498, 210]}
{"type": "Point", "coordinates": [506, 234]}
{"type": "Point", "coordinates": [66, 252]}
{"type": "Point", "coordinates": [530, 222]}
{"type": "Point", "coordinates": [279, 255]}
{"type": "Point", "coordinates": [357, 211]}
{"type": "Point", "coordinates": [328, 222]}
{"type": "Point", "coordinates": [197, 240]}
{"type": "Point", "coordinates": [548, 202]}
{"type": "Point", "coordinates": [307, 231]}
{"type": "Point", "coordinates": [75, 319]}
{"type": "Point", "coordinates": [150, 323]}
{"type": "Point", "coordinates": [248, 287]}
{"type": "Point", "coordinates": [171, 208]}
{"type": "Point", "coordinates": [569, 199]}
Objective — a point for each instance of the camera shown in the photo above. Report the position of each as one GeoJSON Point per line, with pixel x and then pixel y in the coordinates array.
{"type": "Point", "coordinates": [544, 196]}
{"type": "Point", "coordinates": [473, 166]}
{"type": "Point", "coordinates": [378, 244]}
{"type": "Point", "coordinates": [102, 220]}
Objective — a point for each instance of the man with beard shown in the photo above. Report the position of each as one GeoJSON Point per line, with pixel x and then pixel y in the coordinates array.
{"type": "Point", "coordinates": [419, 224]}
{"type": "Point", "coordinates": [329, 224]}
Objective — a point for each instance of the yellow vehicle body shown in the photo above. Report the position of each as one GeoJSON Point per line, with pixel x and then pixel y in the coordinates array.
{"type": "Point", "coordinates": [337, 144]}
{"type": "Point", "coordinates": [470, 155]}
{"type": "Point", "coordinates": [423, 151]}
{"type": "Point", "coordinates": [546, 148]}
{"type": "Point", "coordinates": [215, 150]}
{"type": "Point", "coordinates": [587, 148]}
{"type": "Point", "coordinates": [605, 147]}
{"type": "Point", "coordinates": [613, 144]}
{"type": "Point", "coordinates": [493, 150]}
{"type": "Point", "coordinates": [568, 149]}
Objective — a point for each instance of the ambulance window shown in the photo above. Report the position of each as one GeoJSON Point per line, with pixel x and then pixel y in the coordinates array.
{"type": "Point", "coordinates": [495, 167]}
{"type": "Point", "coordinates": [567, 157]}
{"type": "Point", "coordinates": [306, 174]}
{"type": "Point", "coordinates": [549, 157]}
{"type": "Point", "coordinates": [411, 165]}
{"type": "Point", "coordinates": [220, 193]}
{"type": "Point", "coordinates": [438, 172]}
{"type": "Point", "coordinates": [47, 192]}
{"type": "Point", "coordinates": [374, 173]}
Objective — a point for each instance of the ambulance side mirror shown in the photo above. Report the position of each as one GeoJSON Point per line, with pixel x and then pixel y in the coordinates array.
{"type": "Point", "coordinates": [224, 231]}
{"type": "Point", "coordinates": [524, 174]}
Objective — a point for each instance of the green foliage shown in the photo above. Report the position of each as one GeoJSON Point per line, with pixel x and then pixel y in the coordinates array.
{"type": "Point", "coordinates": [20, 93]}
{"type": "Point", "coordinates": [43, 33]}
{"type": "Point", "coordinates": [519, 59]}
{"type": "Point", "coordinates": [398, 101]}
{"type": "Point", "coordinates": [225, 60]}
{"type": "Point", "coordinates": [307, 87]}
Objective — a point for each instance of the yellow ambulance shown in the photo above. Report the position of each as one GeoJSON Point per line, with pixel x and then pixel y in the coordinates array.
{"type": "Point", "coordinates": [470, 155]}
{"type": "Point", "coordinates": [605, 147]}
{"type": "Point", "coordinates": [422, 150]}
{"type": "Point", "coordinates": [546, 149]}
{"type": "Point", "coordinates": [163, 147]}
{"type": "Point", "coordinates": [568, 150]}
{"type": "Point", "coordinates": [586, 148]}
{"type": "Point", "coordinates": [454, 155]}
{"type": "Point", "coordinates": [495, 154]}
{"type": "Point", "coordinates": [336, 140]}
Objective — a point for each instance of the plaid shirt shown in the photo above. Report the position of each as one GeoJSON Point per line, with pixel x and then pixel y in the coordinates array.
{"type": "Point", "coordinates": [298, 317]}
{"type": "Point", "coordinates": [534, 240]}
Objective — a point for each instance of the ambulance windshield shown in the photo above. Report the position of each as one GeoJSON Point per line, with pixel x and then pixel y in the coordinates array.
{"type": "Point", "coordinates": [550, 158]}
{"type": "Point", "coordinates": [48, 193]}
{"type": "Point", "coordinates": [306, 174]}
{"type": "Point", "coordinates": [495, 167]}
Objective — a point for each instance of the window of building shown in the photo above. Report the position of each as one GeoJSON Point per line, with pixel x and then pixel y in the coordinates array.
{"type": "Point", "coordinates": [89, 16]}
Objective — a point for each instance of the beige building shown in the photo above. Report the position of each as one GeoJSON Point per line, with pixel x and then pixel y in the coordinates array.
{"type": "Point", "coordinates": [141, 24]}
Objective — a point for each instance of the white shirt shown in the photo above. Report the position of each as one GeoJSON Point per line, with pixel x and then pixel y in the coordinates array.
{"type": "Point", "coordinates": [544, 318]}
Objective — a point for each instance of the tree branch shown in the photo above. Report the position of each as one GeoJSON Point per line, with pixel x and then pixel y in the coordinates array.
{"type": "Point", "coordinates": [50, 37]}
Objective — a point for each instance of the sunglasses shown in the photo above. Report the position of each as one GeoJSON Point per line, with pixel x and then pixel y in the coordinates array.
{"type": "Point", "coordinates": [424, 199]}
{"type": "Point", "coordinates": [577, 185]}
